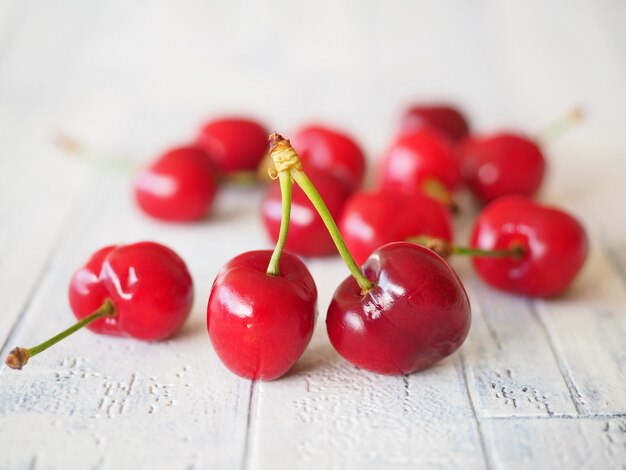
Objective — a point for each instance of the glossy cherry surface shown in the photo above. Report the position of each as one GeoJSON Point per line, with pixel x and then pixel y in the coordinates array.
{"type": "Point", "coordinates": [371, 219]}
{"type": "Point", "coordinates": [179, 187]}
{"type": "Point", "coordinates": [308, 235]}
{"type": "Point", "coordinates": [502, 165]}
{"type": "Point", "coordinates": [417, 314]}
{"type": "Point", "coordinates": [148, 283]}
{"type": "Point", "coordinates": [554, 247]}
{"type": "Point", "coordinates": [442, 117]}
{"type": "Point", "coordinates": [330, 150]}
{"type": "Point", "coordinates": [235, 144]}
{"type": "Point", "coordinates": [260, 324]}
{"type": "Point", "coordinates": [415, 158]}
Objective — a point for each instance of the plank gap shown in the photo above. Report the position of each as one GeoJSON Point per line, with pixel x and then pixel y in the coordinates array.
{"type": "Point", "coordinates": [470, 400]}
{"type": "Point", "coordinates": [247, 438]}
{"type": "Point", "coordinates": [574, 392]}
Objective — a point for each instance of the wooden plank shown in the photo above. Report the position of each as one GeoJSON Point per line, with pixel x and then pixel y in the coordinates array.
{"type": "Point", "coordinates": [556, 443]}
{"type": "Point", "coordinates": [587, 327]}
{"type": "Point", "coordinates": [99, 391]}
{"type": "Point", "coordinates": [511, 368]}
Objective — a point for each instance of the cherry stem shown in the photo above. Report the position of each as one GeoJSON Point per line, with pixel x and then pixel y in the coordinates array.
{"type": "Point", "coordinates": [73, 147]}
{"type": "Point", "coordinates": [561, 125]}
{"type": "Point", "coordinates": [434, 188]}
{"type": "Point", "coordinates": [286, 159]}
{"type": "Point", "coordinates": [18, 357]}
{"type": "Point", "coordinates": [285, 193]}
{"type": "Point", "coordinates": [515, 252]}
{"type": "Point", "coordinates": [446, 249]}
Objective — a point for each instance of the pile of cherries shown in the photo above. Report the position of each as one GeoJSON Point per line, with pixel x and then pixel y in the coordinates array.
{"type": "Point", "coordinates": [403, 307]}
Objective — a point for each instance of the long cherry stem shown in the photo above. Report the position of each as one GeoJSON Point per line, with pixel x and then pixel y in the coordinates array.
{"type": "Point", "coordinates": [287, 159]}
{"type": "Point", "coordinates": [446, 249]}
{"type": "Point", "coordinates": [514, 252]}
{"type": "Point", "coordinates": [73, 147]}
{"type": "Point", "coordinates": [285, 193]}
{"type": "Point", "coordinates": [561, 125]}
{"type": "Point", "coordinates": [309, 189]}
{"type": "Point", "coordinates": [18, 357]}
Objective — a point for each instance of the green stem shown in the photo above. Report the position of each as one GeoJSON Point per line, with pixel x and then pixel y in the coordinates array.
{"type": "Point", "coordinates": [309, 189]}
{"type": "Point", "coordinates": [18, 357]}
{"type": "Point", "coordinates": [285, 192]}
{"type": "Point", "coordinates": [514, 252]}
{"type": "Point", "coordinates": [445, 249]}
{"type": "Point", "coordinates": [560, 125]}
{"type": "Point", "coordinates": [73, 147]}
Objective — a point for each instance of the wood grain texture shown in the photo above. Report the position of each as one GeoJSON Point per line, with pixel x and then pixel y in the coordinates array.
{"type": "Point", "coordinates": [538, 384]}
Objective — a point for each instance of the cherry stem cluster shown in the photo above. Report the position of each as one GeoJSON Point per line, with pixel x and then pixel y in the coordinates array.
{"type": "Point", "coordinates": [18, 357]}
{"type": "Point", "coordinates": [287, 161]}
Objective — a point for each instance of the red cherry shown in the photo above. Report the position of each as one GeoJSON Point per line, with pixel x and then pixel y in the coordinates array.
{"type": "Point", "coordinates": [330, 150]}
{"type": "Point", "coordinates": [259, 323]}
{"type": "Point", "coordinates": [417, 313]}
{"type": "Point", "coordinates": [179, 187]}
{"type": "Point", "coordinates": [444, 118]}
{"type": "Point", "coordinates": [142, 290]}
{"type": "Point", "coordinates": [235, 144]}
{"type": "Point", "coordinates": [372, 219]}
{"type": "Point", "coordinates": [553, 247]}
{"type": "Point", "coordinates": [501, 165]}
{"type": "Point", "coordinates": [415, 159]}
{"type": "Point", "coordinates": [308, 235]}
{"type": "Point", "coordinates": [148, 283]}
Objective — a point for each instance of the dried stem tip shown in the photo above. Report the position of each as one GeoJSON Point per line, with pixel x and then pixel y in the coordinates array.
{"type": "Point", "coordinates": [17, 358]}
{"type": "Point", "coordinates": [283, 154]}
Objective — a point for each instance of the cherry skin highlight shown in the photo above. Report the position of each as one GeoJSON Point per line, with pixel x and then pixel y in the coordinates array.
{"type": "Point", "coordinates": [444, 118]}
{"type": "Point", "coordinates": [414, 159]}
{"type": "Point", "coordinates": [502, 165]}
{"type": "Point", "coordinates": [148, 283]}
{"type": "Point", "coordinates": [308, 235]}
{"type": "Point", "coordinates": [330, 150]}
{"type": "Point", "coordinates": [235, 144]}
{"type": "Point", "coordinates": [178, 187]}
{"type": "Point", "coordinates": [417, 314]}
{"type": "Point", "coordinates": [553, 245]}
{"type": "Point", "coordinates": [260, 324]}
{"type": "Point", "coordinates": [371, 219]}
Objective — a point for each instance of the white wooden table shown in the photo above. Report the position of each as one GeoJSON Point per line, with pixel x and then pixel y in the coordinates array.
{"type": "Point", "coordinates": [538, 384]}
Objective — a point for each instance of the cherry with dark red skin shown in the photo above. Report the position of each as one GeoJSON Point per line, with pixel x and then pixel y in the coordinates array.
{"type": "Point", "coordinates": [419, 157]}
{"type": "Point", "coordinates": [308, 235]}
{"type": "Point", "coordinates": [417, 314]}
{"type": "Point", "coordinates": [445, 118]}
{"type": "Point", "coordinates": [501, 165]}
{"type": "Point", "coordinates": [331, 150]}
{"type": "Point", "coordinates": [371, 219]}
{"type": "Point", "coordinates": [235, 144]}
{"type": "Point", "coordinates": [552, 243]}
{"type": "Point", "coordinates": [148, 283]}
{"type": "Point", "coordinates": [179, 186]}
{"type": "Point", "coordinates": [260, 324]}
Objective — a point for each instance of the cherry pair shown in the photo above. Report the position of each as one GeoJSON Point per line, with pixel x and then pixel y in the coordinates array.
{"type": "Point", "coordinates": [143, 290]}
{"type": "Point", "coordinates": [402, 311]}
{"type": "Point", "coordinates": [181, 184]}
{"type": "Point", "coordinates": [435, 152]}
